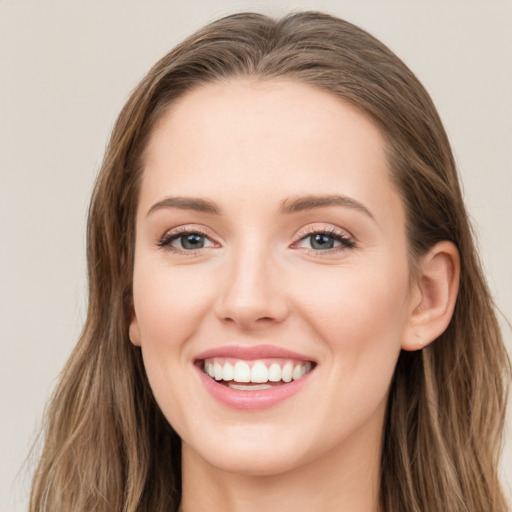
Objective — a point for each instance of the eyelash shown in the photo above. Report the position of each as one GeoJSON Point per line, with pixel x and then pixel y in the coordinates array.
{"type": "Point", "coordinates": [169, 237]}
{"type": "Point", "coordinates": [338, 236]}
{"type": "Point", "coordinates": [345, 241]}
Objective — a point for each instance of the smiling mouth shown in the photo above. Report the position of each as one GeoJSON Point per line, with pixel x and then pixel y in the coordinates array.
{"type": "Point", "coordinates": [254, 375]}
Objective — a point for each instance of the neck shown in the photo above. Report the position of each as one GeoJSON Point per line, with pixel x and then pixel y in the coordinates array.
{"type": "Point", "coordinates": [345, 479]}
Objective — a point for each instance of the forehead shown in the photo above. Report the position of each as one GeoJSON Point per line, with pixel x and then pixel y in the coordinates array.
{"type": "Point", "coordinates": [274, 137]}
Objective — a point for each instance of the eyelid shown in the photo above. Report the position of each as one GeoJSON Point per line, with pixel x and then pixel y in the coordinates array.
{"type": "Point", "coordinates": [172, 234]}
{"type": "Point", "coordinates": [328, 229]}
{"type": "Point", "coordinates": [347, 239]}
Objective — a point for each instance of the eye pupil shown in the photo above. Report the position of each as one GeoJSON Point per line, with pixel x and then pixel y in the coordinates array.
{"type": "Point", "coordinates": [192, 241]}
{"type": "Point", "coordinates": [321, 241]}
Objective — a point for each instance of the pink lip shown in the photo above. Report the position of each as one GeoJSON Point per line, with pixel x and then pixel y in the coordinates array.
{"type": "Point", "coordinates": [251, 400]}
{"type": "Point", "coordinates": [251, 353]}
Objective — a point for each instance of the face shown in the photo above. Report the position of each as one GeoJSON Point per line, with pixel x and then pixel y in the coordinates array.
{"type": "Point", "coordinates": [271, 283]}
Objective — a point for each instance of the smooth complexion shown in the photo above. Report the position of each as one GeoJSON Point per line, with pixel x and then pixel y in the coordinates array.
{"type": "Point", "coordinates": [258, 171]}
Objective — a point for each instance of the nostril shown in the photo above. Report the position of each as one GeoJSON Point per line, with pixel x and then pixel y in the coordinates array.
{"type": "Point", "coordinates": [248, 321]}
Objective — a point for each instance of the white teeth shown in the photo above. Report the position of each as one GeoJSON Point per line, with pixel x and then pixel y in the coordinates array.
{"type": "Point", "coordinates": [287, 372]}
{"type": "Point", "coordinates": [229, 372]}
{"type": "Point", "coordinates": [217, 369]}
{"type": "Point", "coordinates": [259, 372]}
{"type": "Point", "coordinates": [274, 373]}
{"type": "Point", "coordinates": [296, 374]}
{"type": "Point", "coordinates": [242, 372]}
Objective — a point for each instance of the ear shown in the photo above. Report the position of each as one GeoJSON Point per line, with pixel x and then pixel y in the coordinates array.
{"type": "Point", "coordinates": [133, 330]}
{"type": "Point", "coordinates": [433, 296]}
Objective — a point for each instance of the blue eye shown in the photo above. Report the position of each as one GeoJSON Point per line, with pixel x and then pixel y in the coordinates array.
{"type": "Point", "coordinates": [185, 241]}
{"type": "Point", "coordinates": [321, 242]}
{"type": "Point", "coordinates": [191, 241]}
{"type": "Point", "coordinates": [325, 241]}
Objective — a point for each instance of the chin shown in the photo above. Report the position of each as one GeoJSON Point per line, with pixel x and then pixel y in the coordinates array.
{"type": "Point", "coordinates": [254, 463]}
{"type": "Point", "coordinates": [261, 455]}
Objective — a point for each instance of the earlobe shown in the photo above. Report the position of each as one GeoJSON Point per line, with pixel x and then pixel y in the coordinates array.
{"type": "Point", "coordinates": [433, 297]}
{"type": "Point", "coordinates": [134, 331]}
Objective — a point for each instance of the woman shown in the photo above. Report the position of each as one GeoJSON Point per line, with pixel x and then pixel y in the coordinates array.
{"type": "Point", "coordinates": [286, 308]}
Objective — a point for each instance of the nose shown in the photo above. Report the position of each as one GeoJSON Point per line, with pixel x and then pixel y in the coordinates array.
{"type": "Point", "coordinates": [252, 294]}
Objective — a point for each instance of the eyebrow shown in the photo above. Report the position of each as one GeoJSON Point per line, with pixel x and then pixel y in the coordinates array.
{"type": "Point", "coordinates": [288, 206]}
{"type": "Point", "coordinates": [186, 203]}
{"type": "Point", "coordinates": [312, 202]}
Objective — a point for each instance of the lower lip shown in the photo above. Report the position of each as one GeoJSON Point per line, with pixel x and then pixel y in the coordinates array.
{"type": "Point", "coordinates": [251, 400]}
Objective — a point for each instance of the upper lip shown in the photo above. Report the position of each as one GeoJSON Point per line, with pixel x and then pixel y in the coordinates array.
{"type": "Point", "coordinates": [251, 353]}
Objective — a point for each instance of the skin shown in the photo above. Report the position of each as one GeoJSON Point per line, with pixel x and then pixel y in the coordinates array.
{"type": "Point", "coordinates": [249, 147]}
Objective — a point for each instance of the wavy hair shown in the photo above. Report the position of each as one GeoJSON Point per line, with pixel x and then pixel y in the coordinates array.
{"type": "Point", "coordinates": [108, 447]}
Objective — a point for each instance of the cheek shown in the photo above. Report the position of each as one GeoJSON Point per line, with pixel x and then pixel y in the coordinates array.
{"type": "Point", "coordinates": [169, 303]}
{"type": "Point", "coordinates": [358, 310]}
{"type": "Point", "coordinates": [358, 315]}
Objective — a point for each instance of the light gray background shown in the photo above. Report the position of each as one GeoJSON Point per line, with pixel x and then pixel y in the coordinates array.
{"type": "Point", "coordinates": [67, 67]}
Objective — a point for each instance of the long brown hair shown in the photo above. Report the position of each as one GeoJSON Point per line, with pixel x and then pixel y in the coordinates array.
{"type": "Point", "coordinates": [107, 445]}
